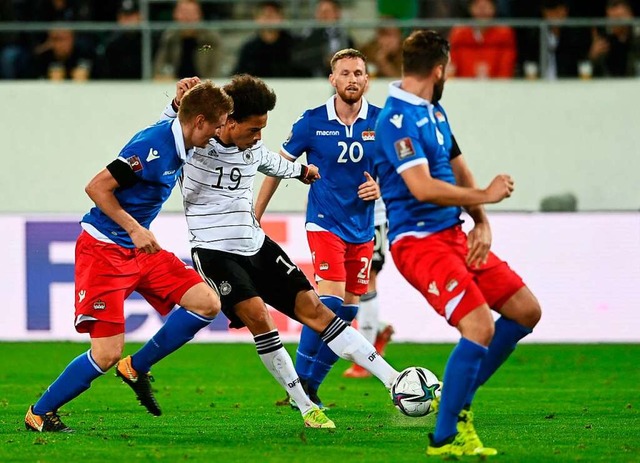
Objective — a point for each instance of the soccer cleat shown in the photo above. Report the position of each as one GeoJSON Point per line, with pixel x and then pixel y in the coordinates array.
{"type": "Point", "coordinates": [315, 418]}
{"type": "Point", "coordinates": [292, 403]}
{"type": "Point", "coordinates": [313, 396]}
{"type": "Point", "coordinates": [472, 441]}
{"type": "Point", "coordinates": [356, 371]}
{"type": "Point", "coordinates": [457, 445]}
{"type": "Point", "coordinates": [141, 385]}
{"type": "Point", "coordinates": [383, 339]}
{"type": "Point", "coordinates": [49, 422]}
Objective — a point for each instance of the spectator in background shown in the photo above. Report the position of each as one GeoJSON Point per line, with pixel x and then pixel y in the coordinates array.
{"type": "Point", "coordinates": [483, 52]}
{"type": "Point", "coordinates": [121, 57]}
{"type": "Point", "coordinates": [62, 57]}
{"type": "Point", "coordinates": [616, 51]}
{"type": "Point", "coordinates": [62, 10]}
{"type": "Point", "coordinates": [268, 53]}
{"type": "Point", "coordinates": [384, 53]}
{"type": "Point", "coordinates": [314, 52]}
{"type": "Point", "coordinates": [13, 57]}
{"type": "Point", "coordinates": [187, 52]}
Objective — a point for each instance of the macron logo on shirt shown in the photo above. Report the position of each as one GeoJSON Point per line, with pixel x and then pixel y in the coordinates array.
{"type": "Point", "coordinates": [153, 155]}
{"type": "Point", "coordinates": [396, 120]}
{"type": "Point", "coordinates": [327, 133]}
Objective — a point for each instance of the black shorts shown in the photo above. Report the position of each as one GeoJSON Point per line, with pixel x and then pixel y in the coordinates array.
{"type": "Point", "coordinates": [269, 274]}
{"type": "Point", "coordinates": [379, 247]}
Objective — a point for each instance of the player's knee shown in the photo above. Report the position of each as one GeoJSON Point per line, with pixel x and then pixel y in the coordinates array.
{"type": "Point", "coordinates": [258, 320]}
{"type": "Point", "coordinates": [531, 313]}
{"type": "Point", "coordinates": [106, 357]}
{"type": "Point", "coordinates": [207, 304]}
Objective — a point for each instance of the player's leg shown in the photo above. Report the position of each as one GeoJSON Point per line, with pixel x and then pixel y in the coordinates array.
{"type": "Point", "coordinates": [106, 349]}
{"type": "Point", "coordinates": [439, 272]}
{"type": "Point", "coordinates": [520, 311]}
{"type": "Point", "coordinates": [328, 253]}
{"type": "Point", "coordinates": [254, 314]}
{"type": "Point", "coordinates": [167, 281]}
{"type": "Point", "coordinates": [344, 340]}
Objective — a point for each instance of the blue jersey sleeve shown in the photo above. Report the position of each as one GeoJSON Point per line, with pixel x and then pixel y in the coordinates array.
{"type": "Point", "coordinates": [144, 159]}
{"type": "Point", "coordinates": [399, 141]}
{"type": "Point", "coordinates": [298, 141]}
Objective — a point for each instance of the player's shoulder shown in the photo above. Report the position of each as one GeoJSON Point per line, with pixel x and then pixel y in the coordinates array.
{"type": "Point", "coordinates": [396, 115]}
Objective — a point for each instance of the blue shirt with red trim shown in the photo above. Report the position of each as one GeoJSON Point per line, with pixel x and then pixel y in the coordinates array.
{"type": "Point", "coordinates": [342, 153]}
{"type": "Point", "coordinates": [411, 131]}
{"type": "Point", "coordinates": [156, 156]}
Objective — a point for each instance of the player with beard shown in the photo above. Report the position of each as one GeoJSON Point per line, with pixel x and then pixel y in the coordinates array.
{"type": "Point", "coordinates": [425, 184]}
{"type": "Point", "coordinates": [338, 137]}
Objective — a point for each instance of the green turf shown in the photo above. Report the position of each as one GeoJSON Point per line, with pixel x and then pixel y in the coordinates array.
{"type": "Point", "coordinates": [549, 403]}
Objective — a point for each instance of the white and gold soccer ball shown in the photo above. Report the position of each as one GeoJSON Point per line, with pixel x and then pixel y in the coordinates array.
{"type": "Point", "coordinates": [414, 390]}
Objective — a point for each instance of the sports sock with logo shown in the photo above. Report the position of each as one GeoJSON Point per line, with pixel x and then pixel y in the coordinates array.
{"type": "Point", "coordinates": [279, 363]}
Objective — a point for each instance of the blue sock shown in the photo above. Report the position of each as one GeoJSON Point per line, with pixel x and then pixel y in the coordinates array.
{"type": "Point", "coordinates": [504, 341]}
{"type": "Point", "coordinates": [326, 358]}
{"type": "Point", "coordinates": [179, 329]}
{"type": "Point", "coordinates": [459, 375]}
{"type": "Point", "coordinates": [73, 381]}
{"type": "Point", "coordinates": [310, 342]}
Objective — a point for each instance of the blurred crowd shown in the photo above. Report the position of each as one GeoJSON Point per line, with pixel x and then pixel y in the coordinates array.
{"type": "Point", "coordinates": [270, 51]}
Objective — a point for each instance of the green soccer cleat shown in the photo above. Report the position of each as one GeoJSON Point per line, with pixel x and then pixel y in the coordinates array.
{"type": "Point", "coordinates": [315, 418]}
{"type": "Point", "coordinates": [457, 445]}
{"type": "Point", "coordinates": [140, 383]}
{"type": "Point", "coordinates": [49, 422]}
{"type": "Point", "coordinates": [472, 441]}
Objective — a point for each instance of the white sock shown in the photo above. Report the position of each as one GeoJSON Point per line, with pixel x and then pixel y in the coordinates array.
{"type": "Point", "coordinates": [279, 363]}
{"type": "Point", "coordinates": [368, 316]}
{"type": "Point", "coordinates": [348, 344]}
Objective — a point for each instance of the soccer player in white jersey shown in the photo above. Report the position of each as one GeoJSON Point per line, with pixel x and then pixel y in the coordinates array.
{"type": "Point", "coordinates": [233, 253]}
{"type": "Point", "coordinates": [117, 254]}
{"type": "Point", "coordinates": [338, 137]}
{"type": "Point", "coordinates": [425, 183]}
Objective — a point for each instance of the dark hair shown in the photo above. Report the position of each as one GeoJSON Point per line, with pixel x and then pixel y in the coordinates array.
{"type": "Point", "coordinates": [270, 4]}
{"type": "Point", "coordinates": [250, 95]}
{"type": "Point", "coordinates": [617, 3]}
{"type": "Point", "coordinates": [553, 4]}
{"type": "Point", "coordinates": [422, 51]}
{"type": "Point", "coordinates": [347, 53]}
{"type": "Point", "coordinates": [207, 99]}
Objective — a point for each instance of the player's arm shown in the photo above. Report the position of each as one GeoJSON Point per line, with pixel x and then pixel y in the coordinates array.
{"type": "Point", "coordinates": [428, 189]}
{"type": "Point", "coordinates": [101, 190]}
{"type": "Point", "coordinates": [171, 110]}
{"type": "Point", "coordinates": [479, 238]}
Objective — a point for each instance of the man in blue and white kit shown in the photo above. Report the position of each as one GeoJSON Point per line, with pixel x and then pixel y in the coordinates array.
{"type": "Point", "coordinates": [117, 254]}
{"type": "Point", "coordinates": [338, 137]}
{"type": "Point", "coordinates": [425, 182]}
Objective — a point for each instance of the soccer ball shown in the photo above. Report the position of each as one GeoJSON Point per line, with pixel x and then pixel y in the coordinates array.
{"type": "Point", "coordinates": [414, 390]}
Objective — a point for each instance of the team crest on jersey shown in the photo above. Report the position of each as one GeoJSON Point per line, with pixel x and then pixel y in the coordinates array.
{"type": "Point", "coordinates": [324, 266]}
{"type": "Point", "coordinates": [225, 288]}
{"type": "Point", "coordinates": [247, 156]}
{"type": "Point", "coordinates": [369, 135]}
{"type": "Point", "coordinates": [134, 162]}
{"type": "Point", "coordinates": [99, 305]}
{"type": "Point", "coordinates": [439, 116]}
{"type": "Point", "coordinates": [451, 285]}
{"type": "Point", "coordinates": [404, 148]}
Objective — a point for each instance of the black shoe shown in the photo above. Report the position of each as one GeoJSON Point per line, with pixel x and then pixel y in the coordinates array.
{"type": "Point", "coordinates": [140, 383]}
{"type": "Point", "coordinates": [49, 422]}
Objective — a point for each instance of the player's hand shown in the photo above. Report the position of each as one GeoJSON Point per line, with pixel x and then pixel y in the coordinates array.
{"type": "Point", "coordinates": [478, 245]}
{"type": "Point", "coordinates": [310, 175]}
{"type": "Point", "coordinates": [145, 240]}
{"type": "Point", "coordinates": [183, 85]}
{"type": "Point", "coordinates": [369, 190]}
{"type": "Point", "coordinates": [500, 187]}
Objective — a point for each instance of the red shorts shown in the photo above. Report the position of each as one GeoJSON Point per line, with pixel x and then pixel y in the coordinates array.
{"type": "Point", "coordinates": [336, 260]}
{"type": "Point", "coordinates": [106, 274]}
{"type": "Point", "coordinates": [435, 266]}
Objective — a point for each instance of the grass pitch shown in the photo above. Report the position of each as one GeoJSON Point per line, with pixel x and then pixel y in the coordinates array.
{"type": "Point", "coordinates": [556, 403]}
